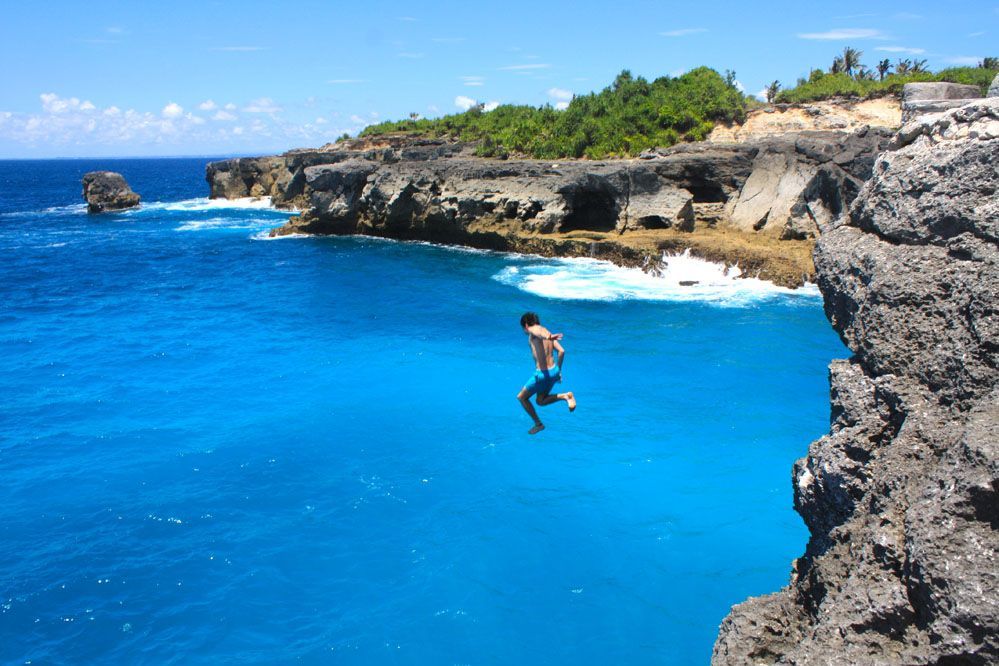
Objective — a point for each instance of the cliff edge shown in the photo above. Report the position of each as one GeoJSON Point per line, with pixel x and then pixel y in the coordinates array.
{"type": "Point", "coordinates": [759, 204]}
{"type": "Point", "coordinates": [902, 497]}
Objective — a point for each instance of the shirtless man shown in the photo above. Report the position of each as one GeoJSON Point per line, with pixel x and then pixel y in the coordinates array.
{"type": "Point", "coordinates": [548, 373]}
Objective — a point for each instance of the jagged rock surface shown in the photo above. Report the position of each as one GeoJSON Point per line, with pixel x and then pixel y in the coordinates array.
{"type": "Point", "coordinates": [107, 190]}
{"type": "Point", "coordinates": [786, 186]}
{"type": "Point", "coordinates": [934, 97]}
{"type": "Point", "coordinates": [902, 497]}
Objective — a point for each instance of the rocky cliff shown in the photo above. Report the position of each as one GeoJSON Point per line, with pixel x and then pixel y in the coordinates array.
{"type": "Point", "coordinates": [902, 497]}
{"type": "Point", "coordinates": [759, 204]}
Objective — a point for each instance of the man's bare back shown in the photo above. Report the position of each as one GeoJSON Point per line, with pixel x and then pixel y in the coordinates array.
{"type": "Point", "coordinates": [543, 344]}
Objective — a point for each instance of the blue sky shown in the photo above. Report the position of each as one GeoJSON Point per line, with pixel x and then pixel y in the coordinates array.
{"type": "Point", "coordinates": [210, 78]}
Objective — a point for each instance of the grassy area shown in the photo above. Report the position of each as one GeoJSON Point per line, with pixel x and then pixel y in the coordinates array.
{"type": "Point", "coordinates": [633, 114]}
{"type": "Point", "coordinates": [826, 85]}
{"type": "Point", "coordinates": [627, 117]}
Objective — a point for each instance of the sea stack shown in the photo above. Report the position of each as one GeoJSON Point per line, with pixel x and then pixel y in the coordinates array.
{"type": "Point", "coordinates": [107, 190]}
{"type": "Point", "coordinates": [901, 496]}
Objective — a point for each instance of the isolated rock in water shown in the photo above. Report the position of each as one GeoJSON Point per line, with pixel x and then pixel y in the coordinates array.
{"type": "Point", "coordinates": [902, 496]}
{"type": "Point", "coordinates": [107, 190]}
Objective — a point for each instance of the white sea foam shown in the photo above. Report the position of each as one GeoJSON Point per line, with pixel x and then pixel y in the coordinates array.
{"type": "Point", "coordinates": [226, 223]}
{"type": "Point", "coordinates": [265, 235]}
{"type": "Point", "coordinates": [205, 204]}
{"type": "Point", "coordinates": [685, 278]}
{"type": "Point", "coordinates": [75, 209]}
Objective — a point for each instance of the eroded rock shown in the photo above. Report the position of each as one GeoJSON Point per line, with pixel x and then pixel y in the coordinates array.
{"type": "Point", "coordinates": [901, 497]}
{"type": "Point", "coordinates": [106, 191]}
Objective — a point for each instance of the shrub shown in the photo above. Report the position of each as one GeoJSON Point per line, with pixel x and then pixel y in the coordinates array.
{"type": "Point", "coordinates": [627, 117]}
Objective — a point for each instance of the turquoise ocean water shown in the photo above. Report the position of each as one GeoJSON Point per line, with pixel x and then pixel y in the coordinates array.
{"type": "Point", "coordinates": [217, 448]}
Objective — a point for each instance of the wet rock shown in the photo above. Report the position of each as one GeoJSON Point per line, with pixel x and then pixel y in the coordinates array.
{"type": "Point", "coordinates": [106, 191]}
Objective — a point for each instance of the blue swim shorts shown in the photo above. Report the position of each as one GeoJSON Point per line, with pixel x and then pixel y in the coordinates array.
{"type": "Point", "coordinates": [542, 381]}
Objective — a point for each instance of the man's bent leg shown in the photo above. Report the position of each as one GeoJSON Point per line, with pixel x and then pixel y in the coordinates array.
{"type": "Point", "coordinates": [549, 399]}
{"type": "Point", "coordinates": [525, 400]}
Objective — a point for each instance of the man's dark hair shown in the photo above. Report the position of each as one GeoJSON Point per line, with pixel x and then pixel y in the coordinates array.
{"type": "Point", "coordinates": [529, 319]}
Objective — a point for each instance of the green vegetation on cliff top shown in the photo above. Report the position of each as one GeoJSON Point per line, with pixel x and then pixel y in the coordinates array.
{"type": "Point", "coordinates": [826, 85]}
{"type": "Point", "coordinates": [633, 114]}
{"type": "Point", "coordinates": [627, 117]}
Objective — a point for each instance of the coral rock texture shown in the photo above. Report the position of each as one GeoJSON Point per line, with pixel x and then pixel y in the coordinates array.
{"type": "Point", "coordinates": [902, 497]}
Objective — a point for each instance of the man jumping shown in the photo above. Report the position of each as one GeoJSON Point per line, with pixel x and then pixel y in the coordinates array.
{"type": "Point", "coordinates": [549, 372]}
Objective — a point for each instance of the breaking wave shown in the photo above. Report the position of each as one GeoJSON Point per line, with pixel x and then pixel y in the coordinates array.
{"type": "Point", "coordinates": [684, 278]}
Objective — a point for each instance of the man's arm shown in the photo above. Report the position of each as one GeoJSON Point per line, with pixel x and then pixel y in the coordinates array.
{"type": "Point", "coordinates": [561, 353]}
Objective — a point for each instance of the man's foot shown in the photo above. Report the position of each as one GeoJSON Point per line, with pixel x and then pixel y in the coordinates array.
{"type": "Point", "coordinates": [536, 429]}
{"type": "Point", "coordinates": [571, 399]}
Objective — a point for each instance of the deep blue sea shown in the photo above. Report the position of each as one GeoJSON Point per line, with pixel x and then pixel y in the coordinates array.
{"type": "Point", "coordinates": [219, 449]}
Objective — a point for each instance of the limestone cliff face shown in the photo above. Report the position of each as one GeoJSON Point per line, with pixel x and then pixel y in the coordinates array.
{"type": "Point", "coordinates": [902, 497]}
{"type": "Point", "coordinates": [786, 187]}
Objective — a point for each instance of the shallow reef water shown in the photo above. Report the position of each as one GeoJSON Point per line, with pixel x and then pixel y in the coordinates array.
{"type": "Point", "coordinates": [221, 449]}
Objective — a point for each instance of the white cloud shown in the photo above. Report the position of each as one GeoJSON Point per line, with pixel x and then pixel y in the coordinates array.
{"type": "Point", "coordinates": [473, 80]}
{"type": "Point", "coordinates": [68, 126]}
{"type": "Point", "coordinates": [490, 106]}
{"type": "Point", "coordinates": [464, 103]}
{"type": "Point", "coordinates": [262, 105]}
{"type": "Point", "coordinates": [433, 108]}
{"type": "Point", "coordinates": [683, 32]}
{"type": "Point", "coordinates": [762, 95]}
{"type": "Point", "coordinates": [320, 121]}
{"type": "Point", "coordinates": [738, 86]}
{"type": "Point", "coordinates": [358, 120]}
{"type": "Point", "coordinates": [970, 61]}
{"type": "Point", "coordinates": [561, 106]}
{"type": "Point", "coordinates": [52, 103]}
{"type": "Point", "coordinates": [976, 34]}
{"type": "Point", "coordinates": [230, 107]}
{"type": "Point", "coordinates": [560, 94]}
{"type": "Point", "coordinates": [520, 68]}
{"type": "Point", "coordinates": [172, 110]}
{"type": "Point", "coordinates": [900, 49]}
{"type": "Point", "coordinates": [407, 19]}
{"type": "Point", "coordinates": [115, 30]}
{"type": "Point", "coordinates": [208, 105]}
{"type": "Point", "coordinates": [844, 33]}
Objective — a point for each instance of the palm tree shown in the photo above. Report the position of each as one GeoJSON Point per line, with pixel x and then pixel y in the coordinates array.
{"type": "Point", "coordinates": [771, 91]}
{"type": "Point", "coordinates": [864, 74]}
{"type": "Point", "coordinates": [919, 66]}
{"type": "Point", "coordinates": [989, 63]}
{"type": "Point", "coordinates": [851, 59]}
{"type": "Point", "coordinates": [837, 65]}
{"type": "Point", "coordinates": [904, 67]}
{"type": "Point", "coordinates": [883, 67]}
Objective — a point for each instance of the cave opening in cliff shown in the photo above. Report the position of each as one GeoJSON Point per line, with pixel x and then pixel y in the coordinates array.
{"type": "Point", "coordinates": [591, 210]}
{"type": "Point", "coordinates": [706, 192]}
